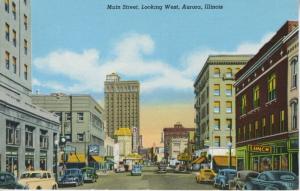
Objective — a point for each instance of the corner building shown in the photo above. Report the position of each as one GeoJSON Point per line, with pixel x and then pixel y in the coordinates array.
{"type": "Point", "coordinates": [264, 128]}
{"type": "Point", "coordinates": [27, 132]}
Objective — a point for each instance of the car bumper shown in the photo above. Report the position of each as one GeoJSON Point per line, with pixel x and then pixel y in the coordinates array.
{"type": "Point", "coordinates": [67, 183]}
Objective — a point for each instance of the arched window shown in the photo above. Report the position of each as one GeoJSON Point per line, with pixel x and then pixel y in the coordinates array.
{"type": "Point", "coordinates": [294, 72]}
{"type": "Point", "coordinates": [294, 113]}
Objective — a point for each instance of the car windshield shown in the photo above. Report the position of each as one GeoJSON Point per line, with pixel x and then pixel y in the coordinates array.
{"type": "Point", "coordinates": [25, 175]}
{"type": "Point", "coordinates": [31, 175]}
{"type": "Point", "coordinates": [71, 172]}
{"type": "Point", "coordinates": [283, 176]}
{"type": "Point", "coordinates": [89, 171]}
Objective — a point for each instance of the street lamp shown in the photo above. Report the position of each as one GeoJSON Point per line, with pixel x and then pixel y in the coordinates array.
{"type": "Point", "coordinates": [56, 143]}
{"type": "Point", "coordinates": [229, 147]}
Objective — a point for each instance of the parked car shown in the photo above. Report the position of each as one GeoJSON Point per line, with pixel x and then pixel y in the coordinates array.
{"type": "Point", "coordinates": [205, 175]}
{"type": "Point", "coordinates": [36, 180]}
{"type": "Point", "coordinates": [241, 178]}
{"type": "Point", "coordinates": [162, 168]}
{"type": "Point", "coordinates": [72, 176]}
{"type": "Point", "coordinates": [89, 174]}
{"type": "Point", "coordinates": [8, 181]}
{"type": "Point", "coordinates": [273, 180]}
{"type": "Point", "coordinates": [223, 177]}
{"type": "Point", "coordinates": [120, 169]}
{"type": "Point", "coordinates": [136, 170]}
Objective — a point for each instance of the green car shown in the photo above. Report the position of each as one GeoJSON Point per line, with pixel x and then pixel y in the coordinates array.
{"type": "Point", "coordinates": [89, 174]}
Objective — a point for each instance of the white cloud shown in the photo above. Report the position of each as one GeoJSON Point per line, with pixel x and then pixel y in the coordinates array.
{"type": "Point", "coordinates": [87, 70]}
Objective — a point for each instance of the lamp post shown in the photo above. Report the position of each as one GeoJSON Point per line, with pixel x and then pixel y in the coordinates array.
{"type": "Point", "coordinates": [56, 143]}
{"type": "Point", "coordinates": [230, 145]}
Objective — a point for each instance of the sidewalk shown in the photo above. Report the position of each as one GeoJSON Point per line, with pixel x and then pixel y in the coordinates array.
{"type": "Point", "coordinates": [104, 172]}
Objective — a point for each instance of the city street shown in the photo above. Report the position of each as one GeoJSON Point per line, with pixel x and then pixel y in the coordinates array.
{"type": "Point", "coordinates": [149, 180]}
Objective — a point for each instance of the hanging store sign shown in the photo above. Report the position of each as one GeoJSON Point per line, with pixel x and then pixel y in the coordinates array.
{"type": "Point", "coordinates": [260, 148]}
{"type": "Point", "coordinates": [94, 149]}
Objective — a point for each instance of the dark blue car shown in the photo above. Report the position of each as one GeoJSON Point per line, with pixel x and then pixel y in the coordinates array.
{"type": "Point", "coordinates": [223, 177]}
{"type": "Point", "coordinates": [273, 180]}
{"type": "Point", "coordinates": [72, 177]}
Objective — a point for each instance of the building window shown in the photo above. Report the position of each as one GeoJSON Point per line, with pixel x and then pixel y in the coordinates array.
{"type": "Point", "coordinates": [14, 38]}
{"type": "Point", "coordinates": [217, 89]}
{"type": "Point", "coordinates": [263, 126]}
{"type": "Point", "coordinates": [272, 87]}
{"type": "Point", "coordinates": [7, 31]}
{"type": "Point", "coordinates": [294, 109]}
{"type": "Point", "coordinates": [14, 65]}
{"type": "Point", "coordinates": [256, 133]}
{"type": "Point", "coordinates": [25, 47]}
{"type": "Point", "coordinates": [229, 123]}
{"type": "Point", "coordinates": [25, 71]}
{"type": "Point", "coordinates": [216, 72]}
{"type": "Point", "coordinates": [44, 140]}
{"type": "Point", "coordinates": [7, 60]}
{"type": "Point", "coordinates": [25, 2]}
{"type": "Point", "coordinates": [80, 116]}
{"type": "Point", "coordinates": [244, 103]}
{"type": "Point", "coordinates": [294, 72]}
{"type": "Point", "coordinates": [6, 6]}
{"type": "Point", "coordinates": [228, 91]}
{"type": "Point", "coordinates": [68, 116]}
{"type": "Point", "coordinates": [282, 121]}
{"type": "Point", "coordinates": [29, 136]}
{"type": "Point", "coordinates": [229, 139]}
{"type": "Point", "coordinates": [14, 10]}
{"type": "Point", "coordinates": [217, 124]}
{"type": "Point", "coordinates": [228, 73]}
{"type": "Point", "coordinates": [80, 137]}
{"type": "Point", "coordinates": [228, 107]}
{"type": "Point", "coordinates": [271, 123]}
{"type": "Point", "coordinates": [256, 100]}
{"type": "Point", "coordinates": [25, 22]}
{"type": "Point", "coordinates": [216, 107]}
{"type": "Point", "coordinates": [244, 132]}
{"type": "Point", "coordinates": [217, 142]}
{"type": "Point", "coordinates": [12, 133]}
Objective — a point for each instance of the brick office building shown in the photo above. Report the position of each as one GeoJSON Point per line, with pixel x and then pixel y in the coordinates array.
{"type": "Point", "coordinates": [178, 131]}
{"type": "Point", "coordinates": [262, 137]}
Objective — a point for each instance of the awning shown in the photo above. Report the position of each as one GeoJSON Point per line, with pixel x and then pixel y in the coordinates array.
{"type": "Point", "coordinates": [224, 160]}
{"type": "Point", "coordinates": [98, 159]}
{"type": "Point", "coordinates": [76, 158]}
{"type": "Point", "coordinates": [199, 160]}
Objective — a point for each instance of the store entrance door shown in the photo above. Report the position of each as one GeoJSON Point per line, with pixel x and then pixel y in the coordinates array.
{"type": "Point", "coordinates": [12, 164]}
{"type": "Point", "coordinates": [295, 163]}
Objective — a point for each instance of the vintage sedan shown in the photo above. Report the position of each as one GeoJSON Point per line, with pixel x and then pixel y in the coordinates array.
{"type": "Point", "coordinates": [241, 178]}
{"type": "Point", "coordinates": [8, 181]}
{"type": "Point", "coordinates": [36, 180]}
{"type": "Point", "coordinates": [205, 175]}
{"type": "Point", "coordinates": [72, 176]}
{"type": "Point", "coordinates": [273, 180]}
{"type": "Point", "coordinates": [223, 177]}
{"type": "Point", "coordinates": [89, 174]}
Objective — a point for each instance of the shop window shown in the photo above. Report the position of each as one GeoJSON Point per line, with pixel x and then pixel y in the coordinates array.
{"type": "Point", "coordinates": [216, 72]}
{"type": "Point", "coordinates": [256, 100]}
{"type": "Point", "coordinates": [265, 163]}
{"type": "Point", "coordinates": [294, 111]}
{"type": "Point", "coordinates": [217, 124]}
{"type": "Point", "coordinates": [228, 90]}
{"type": "Point", "coordinates": [272, 87]}
{"type": "Point", "coordinates": [255, 164]}
{"type": "Point", "coordinates": [294, 72]}
{"type": "Point", "coordinates": [216, 107]}
{"type": "Point", "coordinates": [284, 162]}
{"type": "Point", "coordinates": [244, 104]}
{"type": "Point", "coordinates": [12, 133]}
{"type": "Point", "coordinates": [29, 161]}
{"type": "Point", "coordinates": [240, 164]}
{"type": "Point", "coordinates": [228, 107]}
{"type": "Point", "coordinates": [217, 89]}
{"type": "Point", "coordinates": [282, 121]}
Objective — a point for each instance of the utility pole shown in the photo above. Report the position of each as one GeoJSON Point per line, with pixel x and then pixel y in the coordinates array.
{"type": "Point", "coordinates": [230, 146]}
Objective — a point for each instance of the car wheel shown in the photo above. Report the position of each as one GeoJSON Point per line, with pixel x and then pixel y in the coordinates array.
{"type": "Point", "coordinates": [54, 187]}
{"type": "Point", "coordinates": [77, 183]}
{"type": "Point", "coordinates": [38, 188]}
{"type": "Point", "coordinates": [223, 186]}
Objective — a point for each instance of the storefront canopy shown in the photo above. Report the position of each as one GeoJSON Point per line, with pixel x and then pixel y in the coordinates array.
{"type": "Point", "coordinates": [199, 160]}
{"type": "Point", "coordinates": [224, 160]}
{"type": "Point", "coordinates": [76, 158]}
{"type": "Point", "coordinates": [98, 159]}
{"type": "Point", "coordinates": [134, 156]}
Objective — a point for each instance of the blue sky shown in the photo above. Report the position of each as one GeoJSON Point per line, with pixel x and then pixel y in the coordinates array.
{"type": "Point", "coordinates": [76, 42]}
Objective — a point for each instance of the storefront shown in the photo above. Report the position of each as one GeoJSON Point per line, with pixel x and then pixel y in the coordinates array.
{"type": "Point", "coordinates": [29, 159]}
{"type": "Point", "coordinates": [12, 161]}
{"type": "Point", "coordinates": [273, 155]}
{"type": "Point", "coordinates": [293, 149]}
{"type": "Point", "coordinates": [43, 160]}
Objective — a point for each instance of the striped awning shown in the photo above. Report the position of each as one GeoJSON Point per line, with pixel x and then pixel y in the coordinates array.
{"type": "Point", "coordinates": [98, 159]}
{"type": "Point", "coordinates": [224, 160]}
{"type": "Point", "coordinates": [199, 160]}
{"type": "Point", "coordinates": [76, 158]}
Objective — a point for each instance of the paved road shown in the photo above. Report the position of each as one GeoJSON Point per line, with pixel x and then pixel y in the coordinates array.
{"type": "Point", "coordinates": [149, 180]}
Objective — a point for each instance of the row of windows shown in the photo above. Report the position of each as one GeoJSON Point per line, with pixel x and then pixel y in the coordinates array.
{"type": "Point", "coordinates": [217, 107]}
{"type": "Point", "coordinates": [14, 64]}
{"type": "Point", "coordinates": [14, 38]}
{"type": "Point", "coordinates": [228, 72]}
{"type": "Point", "coordinates": [80, 116]}
{"type": "Point", "coordinates": [228, 90]}
{"type": "Point", "coordinates": [217, 124]}
{"type": "Point", "coordinates": [217, 140]}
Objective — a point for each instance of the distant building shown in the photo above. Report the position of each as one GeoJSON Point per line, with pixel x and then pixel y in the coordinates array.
{"type": "Point", "coordinates": [191, 144]}
{"type": "Point", "coordinates": [141, 142]}
{"type": "Point", "coordinates": [123, 136]}
{"type": "Point", "coordinates": [176, 147]}
{"type": "Point", "coordinates": [27, 132]}
{"type": "Point", "coordinates": [215, 104]}
{"type": "Point", "coordinates": [122, 99]}
{"type": "Point", "coordinates": [81, 118]}
{"type": "Point", "coordinates": [266, 110]}
{"type": "Point", "coordinates": [178, 131]}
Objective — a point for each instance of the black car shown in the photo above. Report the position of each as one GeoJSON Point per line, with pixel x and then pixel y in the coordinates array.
{"type": "Point", "coordinates": [71, 176]}
{"type": "Point", "coordinates": [8, 181]}
{"type": "Point", "coordinates": [273, 180]}
{"type": "Point", "coordinates": [223, 177]}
